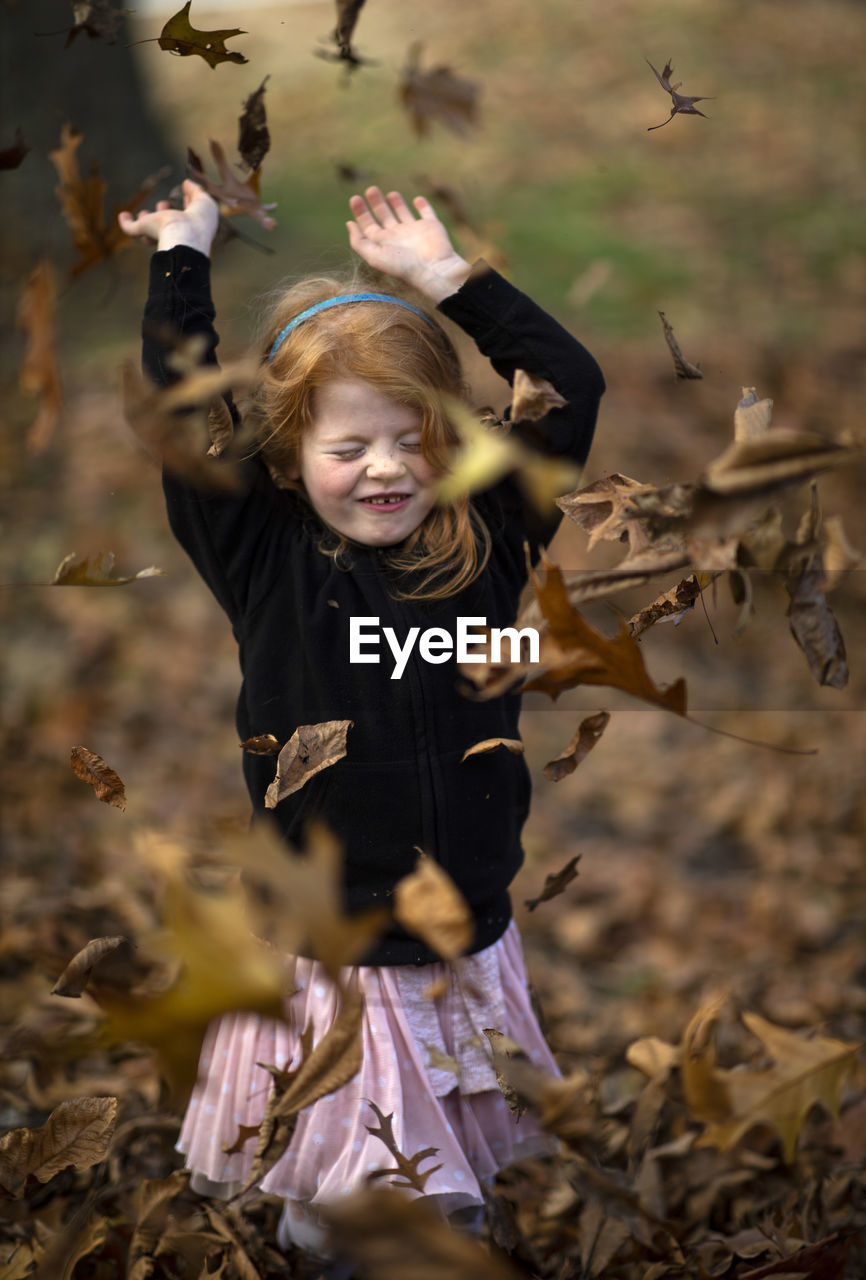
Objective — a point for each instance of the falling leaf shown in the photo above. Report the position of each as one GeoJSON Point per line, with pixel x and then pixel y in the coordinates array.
{"type": "Point", "coordinates": [334, 1061]}
{"type": "Point", "coordinates": [220, 427]}
{"type": "Point", "coordinates": [772, 460]}
{"type": "Point", "coordinates": [564, 1105]}
{"type": "Point", "coordinates": [180, 37]}
{"type": "Point", "coordinates": [348, 12]}
{"type": "Point", "coordinates": [96, 18]}
{"type": "Point", "coordinates": [672, 604]}
{"type": "Point", "coordinates": [297, 901]}
{"type": "Point", "coordinates": [95, 236]}
{"type": "Point", "coordinates": [11, 157]}
{"type": "Point", "coordinates": [573, 653]}
{"type": "Point", "coordinates": [218, 966]}
{"type": "Point", "coordinates": [682, 366]}
{"type": "Point", "coordinates": [437, 95]}
{"type": "Point", "coordinates": [76, 975]}
{"type": "Point", "coordinates": [175, 423]}
{"type": "Point", "coordinates": [263, 744]}
{"type": "Point", "coordinates": [311, 748]}
{"type": "Point", "coordinates": [39, 374]}
{"type": "Point", "coordinates": [440, 1061]}
{"type": "Point", "coordinates": [93, 770]}
{"type": "Point", "coordinates": [76, 1134]}
{"type": "Point", "coordinates": [814, 626]}
{"type": "Point", "coordinates": [504, 1051]}
{"type": "Point", "coordinates": [429, 905]}
{"type": "Point", "coordinates": [407, 1169]}
{"type": "Point", "coordinates": [514, 745]}
{"type": "Point", "coordinates": [557, 883]}
{"type": "Point", "coordinates": [588, 734]}
{"type": "Point", "coordinates": [394, 1237]}
{"type": "Point", "coordinates": [254, 140]}
{"type": "Point", "coordinates": [95, 571]}
{"type": "Point", "coordinates": [533, 398]}
{"type": "Point", "coordinates": [233, 195]}
{"type": "Point", "coordinates": [680, 104]}
{"type": "Point", "coordinates": [604, 510]}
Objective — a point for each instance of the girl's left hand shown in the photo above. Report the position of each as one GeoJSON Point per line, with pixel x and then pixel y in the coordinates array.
{"type": "Point", "coordinates": [417, 250]}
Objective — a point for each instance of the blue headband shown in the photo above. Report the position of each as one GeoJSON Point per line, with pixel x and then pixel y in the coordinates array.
{"type": "Point", "coordinates": [334, 302]}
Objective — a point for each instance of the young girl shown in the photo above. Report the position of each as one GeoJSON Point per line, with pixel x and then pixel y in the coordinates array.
{"type": "Point", "coordinates": [354, 385]}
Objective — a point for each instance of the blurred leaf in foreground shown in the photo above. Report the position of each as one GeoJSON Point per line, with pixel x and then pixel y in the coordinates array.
{"type": "Point", "coordinates": [429, 905]}
{"type": "Point", "coordinates": [39, 374]}
{"type": "Point", "coordinates": [95, 571]}
{"type": "Point", "coordinates": [232, 195]}
{"type": "Point", "coordinates": [556, 883]}
{"type": "Point", "coordinates": [437, 95]}
{"type": "Point", "coordinates": [76, 975]}
{"type": "Point", "coordinates": [254, 139]}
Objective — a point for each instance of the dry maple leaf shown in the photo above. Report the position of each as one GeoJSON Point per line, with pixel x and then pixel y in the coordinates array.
{"type": "Point", "coordinates": [311, 748]}
{"type": "Point", "coordinates": [682, 366]}
{"type": "Point", "coordinates": [558, 881]}
{"type": "Point", "coordinates": [76, 1134]}
{"type": "Point", "coordinates": [588, 733]}
{"type": "Point", "coordinates": [680, 104]}
{"type": "Point", "coordinates": [95, 236]}
{"type": "Point", "coordinates": [76, 975]}
{"type": "Point", "coordinates": [429, 905]}
{"type": "Point", "coordinates": [323, 1069]}
{"type": "Point", "coordinates": [254, 140]}
{"type": "Point", "coordinates": [437, 94]}
{"type": "Point", "coordinates": [95, 571]}
{"type": "Point", "coordinates": [11, 157]}
{"type": "Point", "coordinates": [39, 374]}
{"type": "Point", "coordinates": [93, 770]}
{"type": "Point", "coordinates": [233, 195]}
{"type": "Point", "coordinates": [180, 37]}
{"type": "Point", "coordinates": [407, 1169]}
{"type": "Point", "coordinates": [514, 745]}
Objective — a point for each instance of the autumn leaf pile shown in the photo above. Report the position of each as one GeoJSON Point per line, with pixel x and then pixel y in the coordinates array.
{"type": "Point", "coordinates": [693, 906]}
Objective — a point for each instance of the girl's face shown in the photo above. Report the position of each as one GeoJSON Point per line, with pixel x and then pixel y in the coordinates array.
{"type": "Point", "coordinates": [362, 466]}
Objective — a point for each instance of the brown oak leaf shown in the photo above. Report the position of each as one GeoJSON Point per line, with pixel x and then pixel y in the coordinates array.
{"type": "Point", "coordinates": [233, 195]}
{"type": "Point", "coordinates": [76, 1134]}
{"type": "Point", "coordinates": [180, 37]}
{"type": "Point", "coordinates": [407, 1169]}
{"type": "Point", "coordinates": [311, 748]}
{"type": "Point", "coordinates": [589, 731]}
{"type": "Point", "coordinates": [39, 374]}
{"type": "Point", "coordinates": [532, 398]}
{"type": "Point", "coordinates": [254, 139]}
{"type": "Point", "coordinates": [437, 95]}
{"type": "Point", "coordinates": [76, 975]}
{"type": "Point", "coordinates": [558, 882]}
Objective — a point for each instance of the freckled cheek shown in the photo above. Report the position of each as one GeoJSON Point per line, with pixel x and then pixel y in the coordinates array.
{"type": "Point", "coordinates": [332, 481]}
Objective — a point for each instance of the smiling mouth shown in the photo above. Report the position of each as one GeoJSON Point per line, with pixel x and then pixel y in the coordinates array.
{"type": "Point", "coordinates": [387, 500]}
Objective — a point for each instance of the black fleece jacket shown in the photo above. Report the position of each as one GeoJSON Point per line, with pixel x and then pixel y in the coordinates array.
{"type": "Point", "coordinates": [401, 786]}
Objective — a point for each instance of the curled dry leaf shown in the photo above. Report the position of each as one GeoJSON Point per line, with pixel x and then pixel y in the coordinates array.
{"type": "Point", "coordinates": [680, 104]}
{"type": "Point", "coordinates": [233, 195]}
{"type": "Point", "coordinates": [220, 426]}
{"type": "Point", "coordinates": [311, 748]}
{"type": "Point", "coordinates": [407, 1169]}
{"type": "Point", "coordinates": [589, 731]}
{"type": "Point", "coordinates": [95, 571]}
{"type": "Point", "coordinates": [76, 975]}
{"type": "Point", "coordinates": [814, 626]}
{"type": "Point", "coordinates": [532, 398]}
{"type": "Point", "coordinates": [605, 511]}
{"type": "Point", "coordinates": [752, 416]}
{"type": "Point", "coordinates": [76, 1134]}
{"type": "Point", "coordinates": [93, 770]}
{"type": "Point", "coordinates": [179, 36]}
{"type": "Point", "coordinates": [514, 745]}
{"type": "Point", "coordinates": [429, 905]}
{"type": "Point", "coordinates": [504, 1050]}
{"type": "Point", "coordinates": [437, 95]}
{"type": "Point", "coordinates": [671, 605]}
{"type": "Point", "coordinates": [263, 744]}
{"type": "Point", "coordinates": [254, 139]}
{"type": "Point", "coordinates": [557, 883]}
{"type": "Point", "coordinates": [39, 374]}
{"type": "Point", "coordinates": [334, 1061]}
{"type": "Point", "coordinates": [682, 367]}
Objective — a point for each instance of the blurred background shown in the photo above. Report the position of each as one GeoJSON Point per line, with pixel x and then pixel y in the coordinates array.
{"type": "Point", "coordinates": [702, 857]}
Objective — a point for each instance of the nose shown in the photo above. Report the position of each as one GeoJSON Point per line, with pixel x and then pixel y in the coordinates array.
{"type": "Point", "coordinates": [384, 464]}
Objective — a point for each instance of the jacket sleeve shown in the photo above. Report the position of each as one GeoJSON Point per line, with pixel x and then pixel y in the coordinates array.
{"type": "Point", "coordinates": [514, 333]}
{"type": "Point", "coordinates": [229, 535]}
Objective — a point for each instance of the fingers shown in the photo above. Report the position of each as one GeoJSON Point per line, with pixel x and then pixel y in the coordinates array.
{"type": "Point", "coordinates": [374, 209]}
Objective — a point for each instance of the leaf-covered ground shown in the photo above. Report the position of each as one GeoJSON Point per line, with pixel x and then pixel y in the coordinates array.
{"type": "Point", "coordinates": [717, 881]}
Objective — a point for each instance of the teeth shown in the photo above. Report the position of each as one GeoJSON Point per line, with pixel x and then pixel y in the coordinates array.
{"type": "Point", "coordinates": [381, 502]}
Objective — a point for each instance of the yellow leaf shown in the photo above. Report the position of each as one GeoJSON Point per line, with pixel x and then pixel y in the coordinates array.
{"type": "Point", "coordinates": [429, 905]}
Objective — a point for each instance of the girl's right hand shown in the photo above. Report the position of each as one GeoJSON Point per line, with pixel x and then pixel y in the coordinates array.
{"type": "Point", "coordinates": [194, 225]}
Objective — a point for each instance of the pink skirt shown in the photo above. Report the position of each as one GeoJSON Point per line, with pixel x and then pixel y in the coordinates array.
{"type": "Point", "coordinates": [456, 1107]}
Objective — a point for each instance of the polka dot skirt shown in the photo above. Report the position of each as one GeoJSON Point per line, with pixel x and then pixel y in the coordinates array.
{"type": "Point", "coordinates": [425, 1060]}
